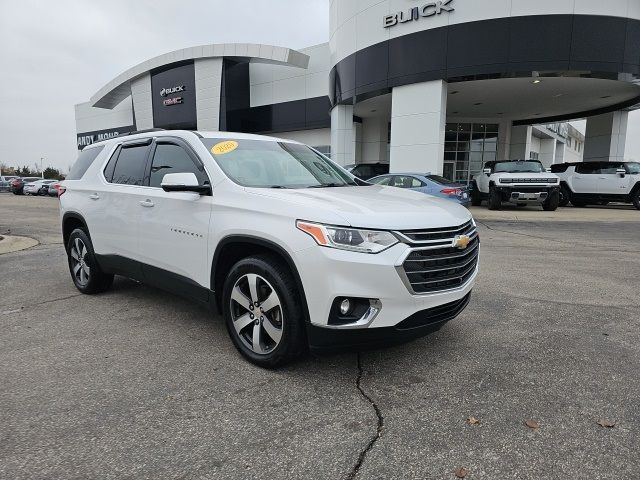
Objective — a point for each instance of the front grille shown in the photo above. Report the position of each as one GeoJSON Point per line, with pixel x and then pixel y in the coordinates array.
{"type": "Point", "coordinates": [528, 180]}
{"type": "Point", "coordinates": [438, 269]}
{"type": "Point", "coordinates": [442, 313]}
{"type": "Point", "coordinates": [435, 235]}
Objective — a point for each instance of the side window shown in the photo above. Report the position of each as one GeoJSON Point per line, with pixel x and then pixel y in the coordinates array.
{"type": "Point", "coordinates": [407, 182]}
{"type": "Point", "coordinates": [111, 165]}
{"type": "Point", "coordinates": [385, 181]}
{"type": "Point", "coordinates": [588, 168]}
{"type": "Point", "coordinates": [129, 169]}
{"type": "Point", "coordinates": [610, 168]}
{"type": "Point", "coordinates": [84, 161]}
{"type": "Point", "coordinates": [170, 158]}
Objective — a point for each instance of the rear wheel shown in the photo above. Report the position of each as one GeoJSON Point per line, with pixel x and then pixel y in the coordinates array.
{"type": "Point", "coordinates": [495, 199]}
{"type": "Point", "coordinates": [85, 272]}
{"type": "Point", "coordinates": [565, 196]}
{"type": "Point", "coordinates": [551, 204]}
{"type": "Point", "coordinates": [262, 311]}
{"type": "Point", "coordinates": [476, 198]}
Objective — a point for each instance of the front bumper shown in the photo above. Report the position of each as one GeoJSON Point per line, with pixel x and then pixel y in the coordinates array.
{"type": "Point", "coordinates": [327, 274]}
{"type": "Point", "coordinates": [526, 194]}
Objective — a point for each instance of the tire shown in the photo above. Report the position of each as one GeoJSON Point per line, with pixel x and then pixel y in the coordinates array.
{"type": "Point", "coordinates": [551, 204]}
{"type": "Point", "coordinates": [635, 198]}
{"type": "Point", "coordinates": [476, 198]}
{"type": "Point", "coordinates": [565, 196]}
{"type": "Point", "coordinates": [273, 337]}
{"type": "Point", "coordinates": [495, 199]}
{"type": "Point", "coordinates": [88, 278]}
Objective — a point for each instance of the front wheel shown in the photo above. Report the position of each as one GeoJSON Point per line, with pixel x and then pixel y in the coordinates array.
{"type": "Point", "coordinates": [85, 271]}
{"type": "Point", "coordinates": [635, 198]}
{"type": "Point", "coordinates": [262, 311]}
{"type": "Point", "coordinates": [495, 199]}
{"type": "Point", "coordinates": [551, 204]}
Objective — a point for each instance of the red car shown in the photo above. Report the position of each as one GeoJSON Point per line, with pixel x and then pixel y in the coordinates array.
{"type": "Point", "coordinates": [17, 184]}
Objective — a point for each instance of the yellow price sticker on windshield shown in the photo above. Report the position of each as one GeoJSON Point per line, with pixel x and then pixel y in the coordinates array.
{"type": "Point", "coordinates": [224, 147]}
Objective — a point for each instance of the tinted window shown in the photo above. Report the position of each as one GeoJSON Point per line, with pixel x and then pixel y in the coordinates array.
{"type": "Point", "coordinates": [558, 168]}
{"type": "Point", "coordinates": [610, 169]}
{"type": "Point", "coordinates": [525, 166]}
{"type": "Point", "coordinates": [439, 179]}
{"type": "Point", "coordinates": [84, 161]}
{"type": "Point", "coordinates": [130, 165]}
{"type": "Point", "coordinates": [588, 168]}
{"type": "Point", "coordinates": [169, 158]}
{"type": "Point", "coordinates": [382, 181]}
{"type": "Point", "coordinates": [406, 182]}
{"type": "Point", "coordinates": [633, 168]}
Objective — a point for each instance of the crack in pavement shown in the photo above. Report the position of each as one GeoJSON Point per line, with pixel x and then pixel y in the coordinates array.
{"type": "Point", "coordinates": [356, 468]}
{"type": "Point", "coordinates": [44, 302]}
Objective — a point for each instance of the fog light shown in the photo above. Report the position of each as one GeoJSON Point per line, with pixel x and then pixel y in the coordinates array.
{"type": "Point", "coordinates": [345, 306]}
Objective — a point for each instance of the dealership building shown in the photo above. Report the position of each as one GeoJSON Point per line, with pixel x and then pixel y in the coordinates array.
{"type": "Point", "coordinates": [427, 86]}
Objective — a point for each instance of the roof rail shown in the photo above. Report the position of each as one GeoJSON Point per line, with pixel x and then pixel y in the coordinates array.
{"type": "Point", "coordinates": [142, 131]}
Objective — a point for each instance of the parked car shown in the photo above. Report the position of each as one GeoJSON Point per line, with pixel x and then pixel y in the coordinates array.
{"type": "Point", "coordinates": [430, 184]}
{"type": "Point", "coordinates": [365, 171]}
{"type": "Point", "coordinates": [17, 184]}
{"type": "Point", "coordinates": [292, 249]}
{"type": "Point", "coordinates": [5, 182]}
{"type": "Point", "coordinates": [520, 182]}
{"type": "Point", "coordinates": [598, 183]}
{"type": "Point", "coordinates": [53, 189]}
{"type": "Point", "coordinates": [38, 187]}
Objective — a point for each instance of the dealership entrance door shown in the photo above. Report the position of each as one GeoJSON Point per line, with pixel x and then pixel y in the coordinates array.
{"type": "Point", "coordinates": [467, 147]}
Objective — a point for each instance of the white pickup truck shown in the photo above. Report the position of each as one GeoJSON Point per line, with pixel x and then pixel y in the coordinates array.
{"type": "Point", "coordinates": [518, 182]}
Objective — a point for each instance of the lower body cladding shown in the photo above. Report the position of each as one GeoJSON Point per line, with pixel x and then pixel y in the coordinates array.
{"type": "Point", "coordinates": [360, 300]}
{"type": "Point", "coordinates": [526, 194]}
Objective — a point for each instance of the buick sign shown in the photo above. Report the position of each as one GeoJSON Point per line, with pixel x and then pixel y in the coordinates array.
{"type": "Point", "coordinates": [428, 10]}
{"type": "Point", "coordinates": [169, 91]}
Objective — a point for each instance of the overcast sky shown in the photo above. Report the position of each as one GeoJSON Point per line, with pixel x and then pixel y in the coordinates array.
{"type": "Point", "coordinates": [55, 54]}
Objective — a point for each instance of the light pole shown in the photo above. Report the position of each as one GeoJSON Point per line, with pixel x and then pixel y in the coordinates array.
{"type": "Point", "coordinates": [41, 170]}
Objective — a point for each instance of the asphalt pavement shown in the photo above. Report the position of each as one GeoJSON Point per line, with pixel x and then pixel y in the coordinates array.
{"type": "Point", "coordinates": [136, 383]}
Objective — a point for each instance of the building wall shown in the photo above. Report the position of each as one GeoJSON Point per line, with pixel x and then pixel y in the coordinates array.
{"type": "Point", "coordinates": [89, 119]}
{"type": "Point", "coordinates": [271, 84]}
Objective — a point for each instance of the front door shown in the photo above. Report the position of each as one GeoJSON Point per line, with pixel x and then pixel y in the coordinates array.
{"type": "Point", "coordinates": [610, 182]}
{"type": "Point", "coordinates": [174, 226]}
{"type": "Point", "coordinates": [586, 180]}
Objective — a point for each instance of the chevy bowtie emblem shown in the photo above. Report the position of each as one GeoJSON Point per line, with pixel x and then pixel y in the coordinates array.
{"type": "Point", "coordinates": [461, 241]}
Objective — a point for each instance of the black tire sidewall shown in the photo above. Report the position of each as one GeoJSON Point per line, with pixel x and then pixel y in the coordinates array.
{"type": "Point", "coordinates": [635, 198]}
{"type": "Point", "coordinates": [495, 199]}
{"type": "Point", "coordinates": [565, 196]}
{"type": "Point", "coordinates": [281, 280]}
{"type": "Point", "coordinates": [552, 202]}
{"type": "Point", "coordinates": [98, 281]}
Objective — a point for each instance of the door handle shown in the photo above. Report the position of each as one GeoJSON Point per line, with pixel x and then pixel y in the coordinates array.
{"type": "Point", "coordinates": [94, 196]}
{"type": "Point", "coordinates": [147, 203]}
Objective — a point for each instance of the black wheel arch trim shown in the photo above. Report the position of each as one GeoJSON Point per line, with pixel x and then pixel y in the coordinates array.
{"type": "Point", "coordinates": [76, 216]}
{"type": "Point", "coordinates": [268, 244]}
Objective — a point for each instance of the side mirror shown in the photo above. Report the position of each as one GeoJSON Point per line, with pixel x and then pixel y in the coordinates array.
{"type": "Point", "coordinates": [622, 172]}
{"type": "Point", "coordinates": [487, 171]}
{"type": "Point", "coordinates": [183, 182]}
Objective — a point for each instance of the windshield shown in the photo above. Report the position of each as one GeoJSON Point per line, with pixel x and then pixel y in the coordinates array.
{"type": "Point", "coordinates": [267, 164]}
{"type": "Point", "coordinates": [530, 166]}
{"type": "Point", "coordinates": [634, 168]}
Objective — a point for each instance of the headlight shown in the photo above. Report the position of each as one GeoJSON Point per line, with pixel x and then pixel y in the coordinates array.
{"type": "Point", "coordinates": [353, 239]}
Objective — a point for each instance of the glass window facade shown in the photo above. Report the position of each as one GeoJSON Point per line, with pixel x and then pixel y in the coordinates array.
{"type": "Point", "coordinates": [467, 146]}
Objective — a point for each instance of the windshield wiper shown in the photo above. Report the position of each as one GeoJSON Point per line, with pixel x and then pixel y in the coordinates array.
{"type": "Point", "coordinates": [329, 185]}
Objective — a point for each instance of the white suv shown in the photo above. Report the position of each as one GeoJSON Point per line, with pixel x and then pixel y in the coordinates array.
{"type": "Point", "coordinates": [516, 181]}
{"type": "Point", "coordinates": [599, 183]}
{"type": "Point", "coordinates": [291, 248]}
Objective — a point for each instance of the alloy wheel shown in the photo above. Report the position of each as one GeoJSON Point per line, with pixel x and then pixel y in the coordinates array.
{"type": "Point", "coordinates": [81, 271]}
{"type": "Point", "coordinates": [256, 313]}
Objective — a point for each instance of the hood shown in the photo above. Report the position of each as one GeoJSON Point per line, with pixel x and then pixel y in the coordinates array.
{"type": "Point", "coordinates": [376, 207]}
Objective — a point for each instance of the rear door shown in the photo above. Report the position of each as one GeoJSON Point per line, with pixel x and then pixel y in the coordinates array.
{"type": "Point", "coordinates": [585, 180]}
{"type": "Point", "coordinates": [174, 226]}
{"type": "Point", "coordinates": [115, 220]}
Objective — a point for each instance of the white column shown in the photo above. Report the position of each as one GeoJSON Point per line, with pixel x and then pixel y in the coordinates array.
{"type": "Point", "coordinates": [504, 140]}
{"type": "Point", "coordinates": [375, 136]}
{"type": "Point", "coordinates": [208, 76]}
{"type": "Point", "coordinates": [418, 120]}
{"type": "Point", "coordinates": [142, 107]}
{"type": "Point", "coordinates": [606, 137]}
{"type": "Point", "coordinates": [520, 148]}
{"type": "Point", "coordinates": [343, 135]}
{"type": "Point", "coordinates": [560, 149]}
{"type": "Point", "coordinates": [547, 151]}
